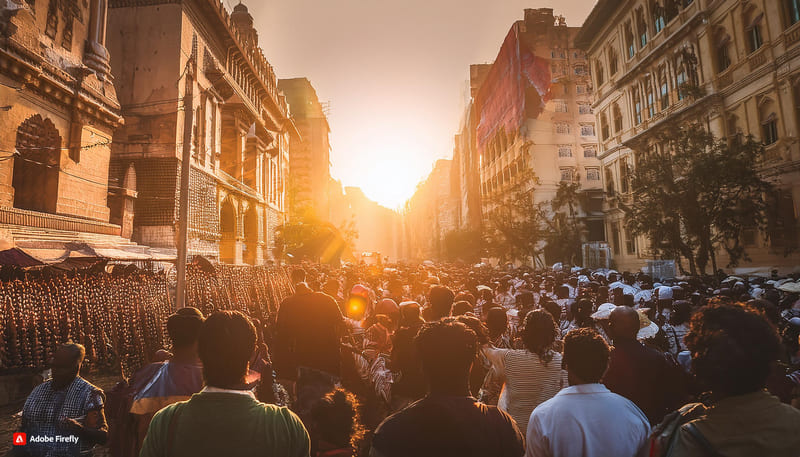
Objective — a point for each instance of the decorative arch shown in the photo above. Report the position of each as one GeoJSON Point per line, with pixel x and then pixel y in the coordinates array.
{"type": "Point", "coordinates": [250, 226]}
{"type": "Point", "coordinates": [722, 45]}
{"type": "Point", "coordinates": [616, 114]}
{"type": "Point", "coordinates": [228, 227]}
{"type": "Point", "coordinates": [36, 165]}
{"type": "Point", "coordinates": [753, 19]}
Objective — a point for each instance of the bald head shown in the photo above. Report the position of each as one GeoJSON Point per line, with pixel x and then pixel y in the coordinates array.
{"type": "Point", "coordinates": [623, 323]}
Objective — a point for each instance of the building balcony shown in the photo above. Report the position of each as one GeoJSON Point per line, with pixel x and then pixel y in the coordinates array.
{"type": "Point", "coordinates": [792, 35]}
{"type": "Point", "coordinates": [758, 58]}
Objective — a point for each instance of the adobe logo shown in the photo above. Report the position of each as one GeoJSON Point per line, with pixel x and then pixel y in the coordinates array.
{"type": "Point", "coordinates": [20, 439]}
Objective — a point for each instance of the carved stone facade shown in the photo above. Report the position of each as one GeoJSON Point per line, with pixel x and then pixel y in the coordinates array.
{"type": "Point", "coordinates": [742, 60]}
{"type": "Point", "coordinates": [58, 111]}
{"type": "Point", "coordinates": [171, 56]}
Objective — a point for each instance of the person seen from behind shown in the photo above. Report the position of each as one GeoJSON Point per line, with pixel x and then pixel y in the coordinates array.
{"type": "Point", "coordinates": [586, 419]}
{"type": "Point", "coordinates": [225, 418]}
{"type": "Point", "coordinates": [447, 421]}
{"type": "Point", "coordinates": [733, 350]}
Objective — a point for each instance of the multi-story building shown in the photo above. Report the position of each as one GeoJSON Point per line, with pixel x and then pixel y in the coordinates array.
{"type": "Point", "coordinates": [430, 214]}
{"type": "Point", "coordinates": [175, 58]}
{"type": "Point", "coordinates": [534, 112]}
{"type": "Point", "coordinates": [58, 112]}
{"type": "Point", "coordinates": [740, 61]}
{"type": "Point", "coordinates": [466, 160]}
{"type": "Point", "coordinates": [309, 154]}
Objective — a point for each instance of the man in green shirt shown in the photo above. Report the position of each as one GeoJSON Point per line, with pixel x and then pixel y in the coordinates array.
{"type": "Point", "coordinates": [225, 418]}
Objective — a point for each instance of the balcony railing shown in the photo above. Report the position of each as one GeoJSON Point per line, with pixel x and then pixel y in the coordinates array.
{"type": "Point", "coordinates": [758, 59]}
{"type": "Point", "coordinates": [792, 35]}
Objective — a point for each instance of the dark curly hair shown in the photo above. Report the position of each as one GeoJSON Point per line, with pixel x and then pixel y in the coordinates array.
{"type": "Point", "coordinates": [446, 350]}
{"type": "Point", "coordinates": [337, 419]}
{"type": "Point", "coordinates": [226, 343]}
{"type": "Point", "coordinates": [732, 349]}
{"type": "Point", "coordinates": [539, 333]}
{"type": "Point", "coordinates": [476, 326]}
{"type": "Point", "coordinates": [586, 354]}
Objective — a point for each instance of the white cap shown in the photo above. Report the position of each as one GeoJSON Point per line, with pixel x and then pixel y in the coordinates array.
{"type": "Point", "coordinates": [665, 293]}
{"type": "Point", "coordinates": [604, 311]}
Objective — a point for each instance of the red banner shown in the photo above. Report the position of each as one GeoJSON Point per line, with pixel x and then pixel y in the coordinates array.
{"type": "Point", "coordinates": [501, 99]}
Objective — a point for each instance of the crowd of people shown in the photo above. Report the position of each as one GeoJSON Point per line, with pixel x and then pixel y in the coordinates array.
{"type": "Point", "coordinates": [453, 360]}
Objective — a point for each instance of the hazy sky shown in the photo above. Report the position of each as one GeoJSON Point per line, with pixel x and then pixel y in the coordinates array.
{"type": "Point", "coordinates": [394, 72]}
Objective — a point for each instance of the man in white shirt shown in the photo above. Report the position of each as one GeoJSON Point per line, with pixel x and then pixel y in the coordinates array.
{"type": "Point", "coordinates": [586, 419]}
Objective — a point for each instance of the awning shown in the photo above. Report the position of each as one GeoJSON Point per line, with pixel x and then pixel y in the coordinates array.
{"type": "Point", "coordinates": [19, 258]}
{"type": "Point", "coordinates": [77, 255]}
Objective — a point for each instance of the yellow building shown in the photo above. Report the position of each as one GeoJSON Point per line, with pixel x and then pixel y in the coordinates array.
{"type": "Point", "coordinates": [741, 62]}
{"type": "Point", "coordinates": [58, 112]}
{"type": "Point", "coordinates": [172, 58]}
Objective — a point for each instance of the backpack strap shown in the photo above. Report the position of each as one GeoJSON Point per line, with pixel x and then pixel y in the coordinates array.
{"type": "Point", "coordinates": [698, 436]}
{"type": "Point", "coordinates": [173, 425]}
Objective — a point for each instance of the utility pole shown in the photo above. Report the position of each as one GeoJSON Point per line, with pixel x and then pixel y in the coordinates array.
{"type": "Point", "coordinates": [183, 214]}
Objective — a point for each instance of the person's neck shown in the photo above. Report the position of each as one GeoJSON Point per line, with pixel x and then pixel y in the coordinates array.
{"type": "Point", "coordinates": [460, 389]}
{"type": "Point", "coordinates": [624, 340]}
{"type": "Point", "coordinates": [575, 380]}
{"type": "Point", "coordinates": [62, 385]}
{"type": "Point", "coordinates": [237, 386]}
{"type": "Point", "coordinates": [186, 355]}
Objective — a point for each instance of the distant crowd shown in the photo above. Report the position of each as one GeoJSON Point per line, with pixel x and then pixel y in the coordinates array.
{"type": "Point", "coordinates": [455, 360]}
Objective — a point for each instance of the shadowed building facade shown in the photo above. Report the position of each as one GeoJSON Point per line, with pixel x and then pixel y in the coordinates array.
{"type": "Point", "coordinates": [58, 112]}
{"type": "Point", "coordinates": [173, 56]}
{"type": "Point", "coordinates": [733, 66]}
{"type": "Point", "coordinates": [309, 154]}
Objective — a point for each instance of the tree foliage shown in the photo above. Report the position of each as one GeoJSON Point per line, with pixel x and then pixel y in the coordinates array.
{"type": "Point", "coordinates": [304, 236]}
{"type": "Point", "coordinates": [565, 228]}
{"type": "Point", "coordinates": [463, 244]}
{"type": "Point", "coordinates": [515, 226]}
{"type": "Point", "coordinates": [695, 195]}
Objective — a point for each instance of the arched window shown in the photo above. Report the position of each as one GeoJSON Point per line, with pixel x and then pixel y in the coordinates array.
{"type": "Point", "coordinates": [603, 127]}
{"type": "Point", "coordinates": [616, 113]}
{"type": "Point", "coordinates": [37, 165]}
{"type": "Point", "coordinates": [663, 88]}
{"type": "Point", "coordinates": [753, 20]}
{"type": "Point", "coordinates": [641, 28]}
{"type": "Point", "coordinates": [612, 60]}
{"type": "Point", "coordinates": [792, 8]}
{"type": "Point", "coordinates": [629, 41]}
{"type": "Point", "coordinates": [637, 106]}
{"type": "Point", "coordinates": [651, 99]}
{"type": "Point", "coordinates": [723, 42]}
{"type": "Point", "coordinates": [681, 78]}
{"type": "Point", "coordinates": [734, 136]}
{"type": "Point", "coordinates": [659, 17]}
{"type": "Point", "coordinates": [598, 69]}
{"type": "Point", "coordinates": [769, 122]}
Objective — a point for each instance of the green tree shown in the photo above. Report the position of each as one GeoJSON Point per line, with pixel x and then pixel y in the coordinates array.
{"type": "Point", "coordinates": [516, 224]}
{"type": "Point", "coordinates": [463, 244]}
{"type": "Point", "coordinates": [566, 229]}
{"type": "Point", "coordinates": [695, 195]}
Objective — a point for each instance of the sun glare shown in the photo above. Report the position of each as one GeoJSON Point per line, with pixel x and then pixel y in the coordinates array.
{"type": "Point", "coordinates": [392, 173]}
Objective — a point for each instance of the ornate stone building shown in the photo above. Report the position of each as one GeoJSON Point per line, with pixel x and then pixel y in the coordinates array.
{"type": "Point", "coordinates": [742, 60]}
{"type": "Point", "coordinates": [172, 56]}
{"type": "Point", "coordinates": [58, 111]}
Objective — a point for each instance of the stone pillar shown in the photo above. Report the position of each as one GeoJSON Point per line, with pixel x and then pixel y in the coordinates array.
{"type": "Point", "coordinates": [96, 54]}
